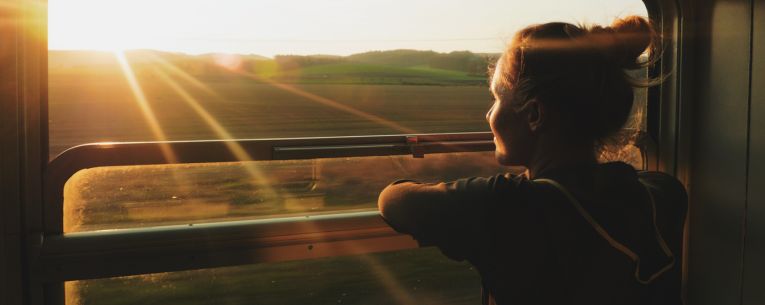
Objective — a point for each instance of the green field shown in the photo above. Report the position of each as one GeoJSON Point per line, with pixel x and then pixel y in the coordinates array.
{"type": "Point", "coordinates": [90, 100]}
{"type": "Point", "coordinates": [95, 103]}
{"type": "Point", "coordinates": [359, 73]}
{"type": "Point", "coordinates": [421, 276]}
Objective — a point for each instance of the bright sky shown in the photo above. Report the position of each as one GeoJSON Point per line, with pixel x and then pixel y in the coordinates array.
{"type": "Point", "coordinates": [339, 27]}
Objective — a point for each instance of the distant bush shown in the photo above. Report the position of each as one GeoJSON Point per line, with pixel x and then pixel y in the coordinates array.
{"type": "Point", "coordinates": [463, 61]}
{"type": "Point", "coordinates": [288, 62]}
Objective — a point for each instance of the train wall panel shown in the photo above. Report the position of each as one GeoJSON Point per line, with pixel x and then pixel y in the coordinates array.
{"type": "Point", "coordinates": [10, 208]}
{"type": "Point", "coordinates": [754, 255]}
{"type": "Point", "coordinates": [718, 180]}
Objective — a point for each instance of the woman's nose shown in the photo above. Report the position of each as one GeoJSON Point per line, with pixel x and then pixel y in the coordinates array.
{"type": "Point", "coordinates": [488, 113]}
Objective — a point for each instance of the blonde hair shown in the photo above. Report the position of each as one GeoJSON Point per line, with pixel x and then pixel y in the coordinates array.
{"type": "Point", "coordinates": [581, 71]}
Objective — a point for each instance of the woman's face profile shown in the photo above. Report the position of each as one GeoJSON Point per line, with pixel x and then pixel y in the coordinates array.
{"type": "Point", "coordinates": [512, 135]}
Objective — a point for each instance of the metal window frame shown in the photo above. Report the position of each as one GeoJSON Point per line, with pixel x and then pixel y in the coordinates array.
{"type": "Point", "coordinates": [126, 251]}
{"type": "Point", "coordinates": [54, 257]}
{"type": "Point", "coordinates": [668, 117]}
{"type": "Point", "coordinates": [66, 164]}
{"type": "Point", "coordinates": [100, 254]}
{"type": "Point", "coordinates": [29, 47]}
{"type": "Point", "coordinates": [110, 253]}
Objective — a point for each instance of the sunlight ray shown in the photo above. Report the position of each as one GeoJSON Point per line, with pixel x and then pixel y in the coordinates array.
{"type": "Point", "coordinates": [72, 222]}
{"type": "Point", "coordinates": [329, 102]}
{"type": "Point", "coordinates": [184, 75]}
{"type": "Point", "coordinates": [385, 277]}
{"type": "Point", "coordinates": [143, 104]}
{"type": "Point", "coordinates": [236, 149]}
{"type": "Point", "coordinates": [339, 106]}
{"type": "Point", "coordinates": [292, 89]}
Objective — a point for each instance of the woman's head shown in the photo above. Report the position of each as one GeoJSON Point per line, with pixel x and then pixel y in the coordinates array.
{"type": "Point", "coordinates": [568, 81]}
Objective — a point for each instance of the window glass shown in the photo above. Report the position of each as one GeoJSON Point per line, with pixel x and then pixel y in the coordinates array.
{"type": "Point", "coordinates": [139, 196]}
{"type": "Point", "coordinates": [420, 276]}
{"type": "Point", "coordinates": [188, 70]}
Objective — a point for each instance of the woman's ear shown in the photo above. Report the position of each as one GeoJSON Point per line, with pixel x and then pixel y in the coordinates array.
{"type": "Point", "coordinates": [535, 114]}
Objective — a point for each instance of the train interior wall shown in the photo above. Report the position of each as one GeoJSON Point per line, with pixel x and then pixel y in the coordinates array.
{"type": "Point", "coordinates": [727, 152]}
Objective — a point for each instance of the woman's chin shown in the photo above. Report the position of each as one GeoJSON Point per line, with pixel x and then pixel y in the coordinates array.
{"type": "Point", "coordinates": [506, 160]}
{"type": "Point", "coordinates": [501, 158]}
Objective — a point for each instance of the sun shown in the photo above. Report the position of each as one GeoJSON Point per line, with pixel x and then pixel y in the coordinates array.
{"type": "Point", "coordinates": [97, 25]}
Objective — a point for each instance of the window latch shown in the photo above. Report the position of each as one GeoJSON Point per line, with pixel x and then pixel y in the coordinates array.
{"type": "Point", "coordinates": [416, 148]}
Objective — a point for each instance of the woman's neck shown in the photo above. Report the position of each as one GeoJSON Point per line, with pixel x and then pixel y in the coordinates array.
{"type": "Point", "coordinates": [553, 152]}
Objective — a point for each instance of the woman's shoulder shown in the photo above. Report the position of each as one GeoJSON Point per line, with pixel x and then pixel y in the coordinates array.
{"type": "Point", "coordinates": [498, 185]}
{"type": "Point", "coordinates": [663, 182]}
{"type": "Point", "coordinates": [659, 177]}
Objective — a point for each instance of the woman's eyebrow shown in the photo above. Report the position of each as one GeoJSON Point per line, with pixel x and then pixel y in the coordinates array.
{"type": "Point", "coordinates": [493, 86]}
{"type": "Point", "coordinates": [496, 89]}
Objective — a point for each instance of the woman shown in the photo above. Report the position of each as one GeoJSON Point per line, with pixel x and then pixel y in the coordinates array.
{"type": "Point", "coordinates": [570, 230]}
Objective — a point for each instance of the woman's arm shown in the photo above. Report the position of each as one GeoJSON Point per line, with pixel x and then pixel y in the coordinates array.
{"type": "Point", "coordinates": [450, 215]}
{"type": "Point", "coordinates": [408, 204]}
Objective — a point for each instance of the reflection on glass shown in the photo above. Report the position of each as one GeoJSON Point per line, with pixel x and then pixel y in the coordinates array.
{"type": "Point", "coordinates": [420, 276]}
{"type": "Point", "coordinates": [136, 196]}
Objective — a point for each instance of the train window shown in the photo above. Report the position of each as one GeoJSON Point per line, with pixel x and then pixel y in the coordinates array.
{"type": "Point", "coordinates": [422, 276]}
{"type": "Point", "coordinates": [238, 69]}
{"type": "Point", "coordinates": [191, 103]}
{"type": "Point", "coordinates": [150, 195]}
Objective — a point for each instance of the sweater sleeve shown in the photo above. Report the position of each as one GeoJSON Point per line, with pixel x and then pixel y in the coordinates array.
{"type": "Point", "coordinates": [452, 216]}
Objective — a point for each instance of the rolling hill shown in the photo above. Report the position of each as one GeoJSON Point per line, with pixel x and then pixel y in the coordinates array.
{"type": "Point", "coordinates": [407, 67]}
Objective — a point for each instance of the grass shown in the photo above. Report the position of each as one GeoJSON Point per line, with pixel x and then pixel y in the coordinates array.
{"type": "Point", "coordinates": [91, 105]}
{"type": "Point", "coordinates": [87, 108]}
{"type": "Point", "coordinates": [103, 108]}
{"type": "Point", "coordinates": [422, 276]}
{"type": "Point", "coordinates": [357, 73]}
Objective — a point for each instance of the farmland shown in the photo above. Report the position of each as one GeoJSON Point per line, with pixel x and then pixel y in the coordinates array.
{"type": "Point", "coordinates": [91, 100]}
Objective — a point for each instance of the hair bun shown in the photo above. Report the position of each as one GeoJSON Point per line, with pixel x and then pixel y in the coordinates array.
{"type": "Point", "coordinates": [634, 35]}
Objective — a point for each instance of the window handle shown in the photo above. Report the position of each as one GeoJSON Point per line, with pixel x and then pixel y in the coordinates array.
{"type": "Point", "coordinates": [415, 147]}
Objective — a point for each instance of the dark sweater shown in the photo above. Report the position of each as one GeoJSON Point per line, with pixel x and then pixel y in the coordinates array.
{"type": "Point", "coordinates": [531, 245]}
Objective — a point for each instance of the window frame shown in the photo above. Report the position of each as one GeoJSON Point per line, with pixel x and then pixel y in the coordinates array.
{"type": "Point", "coordinates": [121, 252]}
{"type": "Point", "coordinates": [72, 256]}
{"type": "Point", "coordinates": [54, 257]}
{"type": "Point", "coordinates": [662, 143]}
{"type": "Point", "coordinates": [69, 162]}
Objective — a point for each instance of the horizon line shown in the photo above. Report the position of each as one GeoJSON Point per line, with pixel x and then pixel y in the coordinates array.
{"type": "Point", "coordinates": [264, 56]}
